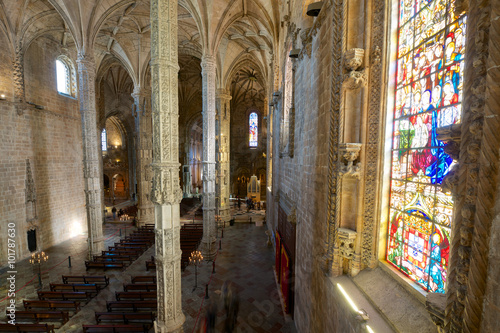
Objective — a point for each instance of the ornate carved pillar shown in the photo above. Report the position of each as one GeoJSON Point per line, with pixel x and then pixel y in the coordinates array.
{"type": "Point", "coordinates": [143, 128]}
{"type": "Point", "coordinates": [470, 306]}
{"type": "Point", "coordinates": [166, 193]}
{"type": "Point", "coordinates": [91, 164]}
{"type": "Point", "coordinates": [19, 91]}
{"type": "Point", "coordinates": [209, 228]}
{"type": "Point", "coordinates": [223, 107]}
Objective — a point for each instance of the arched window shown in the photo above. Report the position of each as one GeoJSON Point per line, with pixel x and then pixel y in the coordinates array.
{"type": "Point", "coordinates": [428, 95]}
{"type": "Point", "coordinates": [253, 122]}
{"type": "Point", "coordinates": [66, 76]}
{"type": "Point", "coordinates": [104, 140]}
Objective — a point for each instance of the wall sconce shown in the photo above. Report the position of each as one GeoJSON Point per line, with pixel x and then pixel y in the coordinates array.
{"type": "Point", "coordinates": [314, 8]}
{"type": "Point", "coordinates": [294, 53]}
{"type": "Point", "coordinates": [2, 97]}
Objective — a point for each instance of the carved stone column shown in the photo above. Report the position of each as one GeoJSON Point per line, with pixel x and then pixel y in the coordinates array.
{"type": "Point", "coordinates": [143, 127]}
{"type": "Point", "coordinates": [166, 193]}
{"type": "Point", "coordinates": [209, 228]}
{"type": "Point", "coordinates": [223, 106]}
{"type": "Point", "coordinates": [91, 165]}
{"type": "Point", "coordinates": [19, 91]}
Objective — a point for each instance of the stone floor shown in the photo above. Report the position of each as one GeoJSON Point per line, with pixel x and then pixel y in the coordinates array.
{"type": "Point", "coordinates": [244, 258]}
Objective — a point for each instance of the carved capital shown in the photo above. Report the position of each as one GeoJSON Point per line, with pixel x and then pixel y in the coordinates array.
{"type": "Point", "coordinates": [223, 94]}
{"type": "Point", "coordinates": [353, 59]}
{"type": "Point", "coordinates": [348, 153]}
{"type": "Point", "coordinates": [85, 62]}
{"type": "Point", "coordinates": [166, 189]}
{"type": "Point", "coordinates": [347, 238]}
{"type": "Point", "coordinates": [452, 136]}
{"type": "Point", "coordinates": [355, 80]}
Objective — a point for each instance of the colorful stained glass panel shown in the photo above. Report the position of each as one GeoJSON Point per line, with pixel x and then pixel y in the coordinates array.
{"type": "Point", "coordinates": [428, 94]}
{"type": "Point", "coordinates": [253, 129]}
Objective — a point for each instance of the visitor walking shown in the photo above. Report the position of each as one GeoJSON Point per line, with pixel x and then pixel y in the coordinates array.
{"type": "Point", "coordinates": [114, 213]}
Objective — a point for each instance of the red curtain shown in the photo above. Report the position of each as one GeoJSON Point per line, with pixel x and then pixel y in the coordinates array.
{"type": "Point", "coordinates": [278, 256]}
{"type": "Point", "coordinates": [285, 278]}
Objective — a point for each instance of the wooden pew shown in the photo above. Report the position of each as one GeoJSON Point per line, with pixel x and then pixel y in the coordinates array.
{"type": "Point", "coordinates": [91, 288]}
{"type": "Point", "coordinates": [38, 316]}
{"type": "Point", "coordinates": [115, 328]}
{"type": "Point", "coordinates": [137, 295]}
{"type": "Point", "coordinates": [151, 305]}
{"type": "Point", "coordinates": [104, 265]}
{"type": "Point", "coordinates": [132, 254]}
{"type": "Point", "coordinates": [64, 296]}
{"type": "Point", "coordinates": [144, 279]}
{"type": "Point", "coordinates": [125, 317]}
{"type": "Point", "coordinates": [139, 287]}
{"type": "Point", "coordinates": [52, 305]}
{"type": "Point", "coordinates": [22, 328]}
{"type": "Point", "coordinates": [95, 279]}
{"type": "Point", "coordinates": [150, 264]}
{"type": "Point", "coordinates": [112, 258]}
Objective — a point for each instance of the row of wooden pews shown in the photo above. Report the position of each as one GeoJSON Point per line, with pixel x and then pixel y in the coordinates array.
{"type": "Point", "coordinates": [123, 253]}
{"type": "Point", "coordinates": [190, 235]}
{"type": "Point", "coordinates": [134, 309]}
{"type": "Point", "coordinates": [57, 305]}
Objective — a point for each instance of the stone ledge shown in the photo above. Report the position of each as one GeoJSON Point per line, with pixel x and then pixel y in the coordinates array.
{"type": "Point", "coordinates": [403, 310]}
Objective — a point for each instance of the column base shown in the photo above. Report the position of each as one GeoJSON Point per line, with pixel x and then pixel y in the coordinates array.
{"type": "Point", "coordinates": [209, 250]}
{"type": "Point", "coordinates": [225, 214]}
{"type": "Point", "coordinates": [96, 247]}
{"type": "Point", "coordinates": [176, 327]}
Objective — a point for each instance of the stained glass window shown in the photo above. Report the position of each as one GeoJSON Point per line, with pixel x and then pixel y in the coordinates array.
{"type": "Point", "coordinates": [253, 121]}
{"type": "Point", "coordinates": [431, 42]}
{"type": "Point", "coordinates": [104, 141]}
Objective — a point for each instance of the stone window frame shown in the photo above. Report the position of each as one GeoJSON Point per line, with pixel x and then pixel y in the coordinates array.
{"type": "Point", "coordinates": [287, 121]}
{"type": "Point", "coordinates": [259, 130]}
{"type": "Point", "coordinates": [104, 141]}
{"type": "Point", "coordinates": [387, 114]}
{"type": "Point", "coordinates": [70, 76]}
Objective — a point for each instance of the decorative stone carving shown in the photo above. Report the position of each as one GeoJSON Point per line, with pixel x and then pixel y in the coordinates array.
{"type": "Point", "coordinates": [18, 79]}
{"type": "Point", "coordinates": [91, 159]}
{"type": "Point", "coordinates": [166, 192]}
{"type": "Point", "coordinates": [355, 79]}
{"type": "Point", "coordinates": [347, 238]}
{"type": "Point", "coordinates": [376, 54]}
{"type": "Point", "coordinates": [374, 143]}
{"type": "Point", "coordinates": [350, 152]}
{"type": "Point", "coordinates": [353, 59]}
{"type": "Point", "coordinates": [223, 167]}
{"type": "Point", "coordinates": [306, 38]}
{"type": "Point", "coordinates": [209, 247]}
{"type": "Point", "coordinates": [336, 133]}
{"type": "Point", "coordinates": [30, 195]}
{"type": "Point", "coordinates": [143, 130]}
{"type": "Point", "coordinates": [435, 305]}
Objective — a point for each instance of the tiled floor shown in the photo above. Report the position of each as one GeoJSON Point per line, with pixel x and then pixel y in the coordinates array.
{"type": "Point", "coordinates": [245, 259]}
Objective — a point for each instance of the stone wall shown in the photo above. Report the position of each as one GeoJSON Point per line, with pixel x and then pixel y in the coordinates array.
{"type": "Point", "coordinates": [51, 140]}
{"type": "Point", "coordinates": [303, 178]}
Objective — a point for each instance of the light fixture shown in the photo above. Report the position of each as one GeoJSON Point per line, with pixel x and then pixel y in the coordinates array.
{"type": "Point", "coordinates": [2, 97]}
{"type": "Point", "coordinates": [314, 8]}
{"type": "Point", "coordinates": [294, 53]}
